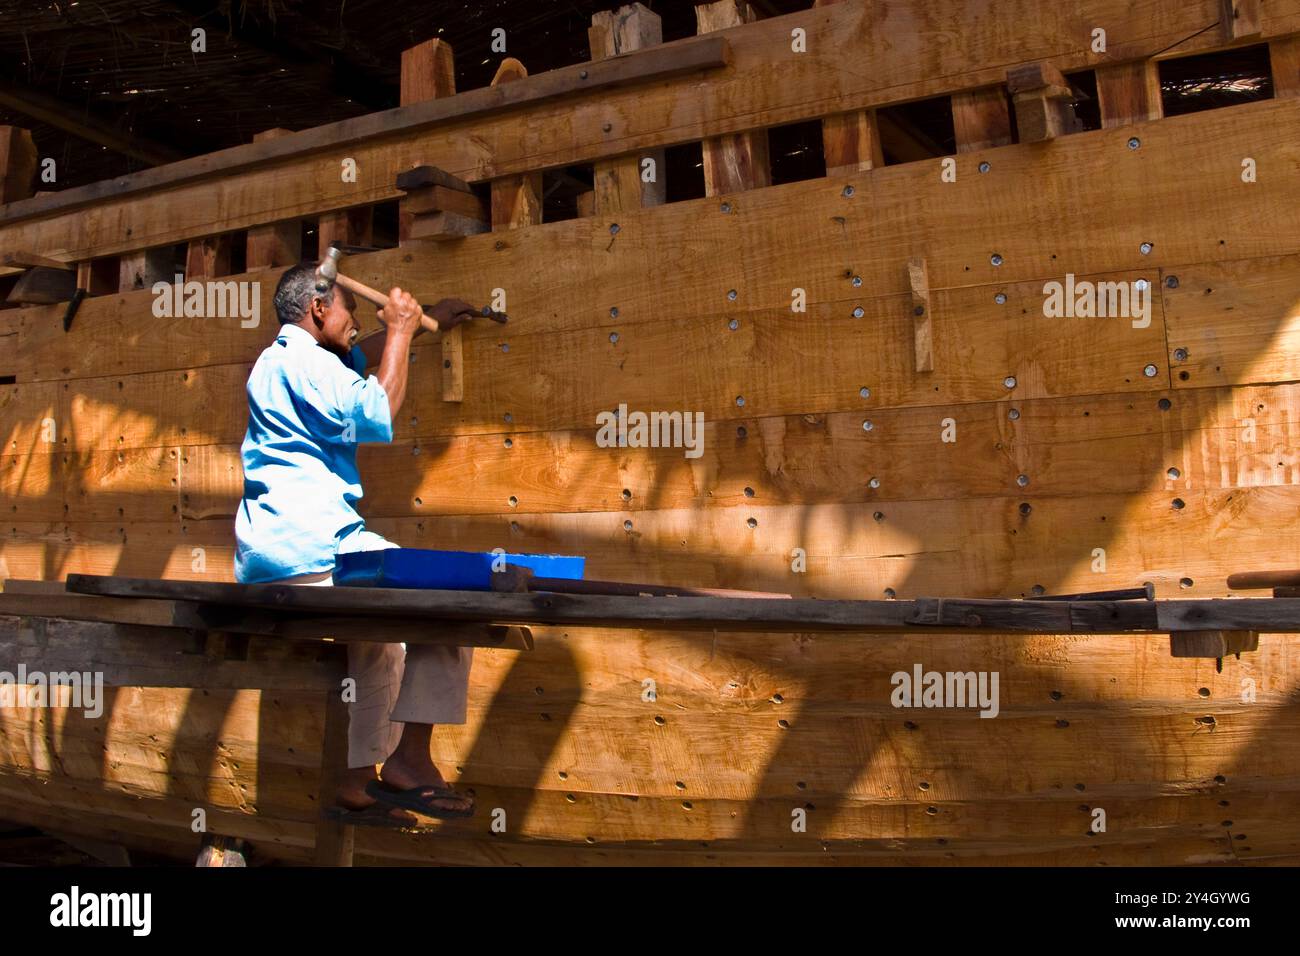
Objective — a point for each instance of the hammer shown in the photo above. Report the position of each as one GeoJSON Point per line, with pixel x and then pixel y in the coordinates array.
{"type": "Point", "coordinates": [327, 275]}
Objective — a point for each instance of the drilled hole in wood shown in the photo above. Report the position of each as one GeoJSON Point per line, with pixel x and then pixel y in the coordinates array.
{"type": "Point", "coordinates": [660, 721]}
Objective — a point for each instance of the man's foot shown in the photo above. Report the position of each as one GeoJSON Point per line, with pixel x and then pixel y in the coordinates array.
{"type": "Point", "coordinates": [351, 795]}
{"type": "Point", "coordinates": [404, 774]}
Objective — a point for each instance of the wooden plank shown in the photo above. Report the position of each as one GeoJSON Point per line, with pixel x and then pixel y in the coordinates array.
{"type": "Point", "coordinates": [907, 65]}
{"type": "Point", "coordinates": [1233, 322]}
{"type": "Point", "coordinates": [736, 161]}
{"type": "Point", "coordinates": [17, 165]}
{"type": "Point", "coordinates": [922, 320]}
{"type": "Point", "coordinates": [905, 214]}
{"type": "Point", "coordinates": [1128, 93]}
{"type": "Point", "coordinates": [618, 183]}
{"type": "Point", "coordinates": [28, 260]}
{"type": "Point", "coordinates": [279, 243]}
{"type": "Point", "coordinates": [1275, 614]}
{"type": "Point", "coordinates": [981, 119]}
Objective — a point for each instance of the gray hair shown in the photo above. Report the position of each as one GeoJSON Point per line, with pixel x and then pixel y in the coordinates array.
{"type": "Point", "coordinates": [295, 292]}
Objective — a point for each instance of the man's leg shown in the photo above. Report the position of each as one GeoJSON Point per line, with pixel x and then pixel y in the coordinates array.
{"type": "Point", "coordinates": [434, 690]}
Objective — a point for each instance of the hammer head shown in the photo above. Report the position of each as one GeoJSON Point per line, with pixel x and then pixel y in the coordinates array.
{"type": "Point", "coordinates": [328, 270]}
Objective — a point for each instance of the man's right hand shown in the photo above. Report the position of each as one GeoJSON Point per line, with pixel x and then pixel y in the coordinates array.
{"type": "Point", "coordinates": [402, 314]}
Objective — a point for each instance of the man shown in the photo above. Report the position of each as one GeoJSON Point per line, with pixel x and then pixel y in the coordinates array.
{"type": "Point", "coordinates": [310, 404]}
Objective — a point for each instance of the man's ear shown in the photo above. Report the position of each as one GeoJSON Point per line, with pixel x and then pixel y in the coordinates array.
{"type": "Point", "coordinates": [318, 307]}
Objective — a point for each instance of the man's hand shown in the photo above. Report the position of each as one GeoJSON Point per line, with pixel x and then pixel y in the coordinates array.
{"type": "Point", "coordinates": [450, 313]}
{"type": "Point", "coordinates": [402, 314]}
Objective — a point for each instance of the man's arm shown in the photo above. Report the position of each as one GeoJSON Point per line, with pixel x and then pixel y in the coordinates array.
{"type": "Point", "coordinates": [448, 313]}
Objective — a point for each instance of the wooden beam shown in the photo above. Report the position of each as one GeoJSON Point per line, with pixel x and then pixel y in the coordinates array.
{"type": "Point", "coordinates": [736, 161]}
{"type": "Point", "coordinates": [1128, 93]}
{"type": "Point", "coordinates": [618, 183]}
{"type": "Point", "coordinates": [1042, 100]}
{"type": "Point", "coordinates": [428, 73]}
{"type": "Point", "coordinates": [472, 106]}
{"type": "Point", "coordinates": [981, 119]}
{"type": "Point", "coordinates": [140, 270]}
{"type": "Point", "coordinates": [1284, 57]}
{"type": "Point", "coordinates": [345, 227]}
{"type": "Point", "coordinates": [28, 260]}
{"type": "Point", "coordinates": [60, 115]}
{"type": "Point", "coordinates": [277, 244]}
{"type": "Point", "coordinates": [334, 840]}
{"type": "Point", "coordinates": [298, 182]}
{"type": "Point", "coordinates": [1212, 644]}
{"type": "Point", "coordinates": [17, 164]}
{"type": "Point", "coordinates": [1241, 19]}
{"type": "Point", "coordinates": [208, 258]}
{"type": "Point", "coordinates": [43, 286]}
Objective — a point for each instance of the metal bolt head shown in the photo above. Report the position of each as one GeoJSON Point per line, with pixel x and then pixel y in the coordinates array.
{"type": "Point", "coordinates": [627, 525]}
{"type": "Point", "coordinates": [740, 399]}
{"type": "Point", "coordinates": [1000, 298]}
{"type": "Point", "coordinates": [857, 282]}
{"type": "Point", "coordinates": [995, 259]}
{"type": "Point", "coordinates": [859, 312]}
{"type": "Point", "coordinates": [1009, 382]}
{"type": "Point", "coordinates": [1145, 248]}
{"type": "Point", "coordinates": [732, 295]}
{"type": "Point", "coordinates": [1150, 371]}
{"type": "Point", "coordinates": [874, 483]}
{"type": "Point", "coordinates": [613, 312]}
{"type": "Point", "coordinates": [1013, 414]}
{"type": "Point", "coordinates": [1171, 282]}
{"type": "Point", "coordinates": [848, 192]}
{"type": "Point", "coordinates": [864, 392]}
{"type": "Point", "coordinates": [1141, 285]}
{"type": "Point", "coordinates": [582, 75]}
{"type": "Point", "coordinates": [1180, 355]}
{"type": "Point", "coordinates": [985, 167]}
{"type": "Point", "coordinates": [607, 127]}
{"type": "Point", "coordinates": [726, 207]}
{"type": "Point", "coordinates": [1022, 480]}
{"type": "Point", "coordinates": [919, 311]}
{"type": "Point", "coordinates": [1134, 143]}
{"type": "Point", "coordinates": [733, 324]}
{"type": "Point", "coordinates": [613, 338]}
{"type": "Point", "coordinates": [867, 426]}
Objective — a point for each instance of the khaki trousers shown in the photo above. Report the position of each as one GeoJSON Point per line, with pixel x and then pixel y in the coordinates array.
{"type": "Point", "coordinates": [427, 684]}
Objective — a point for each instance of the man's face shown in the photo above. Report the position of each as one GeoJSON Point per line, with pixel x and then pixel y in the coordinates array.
{"type": "Point", "coordinates": [335, 327]}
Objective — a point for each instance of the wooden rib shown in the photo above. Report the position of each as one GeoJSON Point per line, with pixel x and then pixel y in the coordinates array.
{"type": "Point", "coordinates": [428, 73]}
{"type": "Point", "coordinates": [278, 244]}
{"type": "Point", "coordinates": [981, 119]}
{"type": "Point", "coordinates": [736, 161]}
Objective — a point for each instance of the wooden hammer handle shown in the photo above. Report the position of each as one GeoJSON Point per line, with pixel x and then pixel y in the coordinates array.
{"type": "Point", "coordinates": [1249, 580]}
{"type": "Point", "coordinates": [364, 291]}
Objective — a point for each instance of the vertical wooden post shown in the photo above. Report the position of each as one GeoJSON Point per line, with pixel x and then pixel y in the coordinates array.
{"type": "Point", "coordinates": [17, 164]}
{"type": "Point", "coordinates": [334, 840]}
{"type": "Point", "coordinates": [140, 270]}
{"type": "Point", "coordinates": [208, 258]}
{"type": "Point", "coordinates": [428, 73]}
{"type": "Point", "coordinates": [277, 244]}
{"type": "Point", "coordinates": [1284, 56]}
{"type": "Point", "coordinates": [850, 141]}
{"type": "Point", "coordinates": [618, 183]}
{"type": "Point", "coordinates": [1240, 18]}
{"type": "Point", "coordinates": [980, 119]}
{"type": "Point", "coordinates": [735, 161]}
{"type": "Point", "coordinates": [345, 227]}
{"type": "Point", "coordinates": [1128, 93]}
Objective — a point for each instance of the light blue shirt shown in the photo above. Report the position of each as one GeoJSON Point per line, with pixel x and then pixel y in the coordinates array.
{"type": "Point", "coordinates": [307, 412]}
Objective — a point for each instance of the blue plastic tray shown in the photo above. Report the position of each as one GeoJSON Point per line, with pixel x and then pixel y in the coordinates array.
{"type": "Point", "coordinates": [448, 570]}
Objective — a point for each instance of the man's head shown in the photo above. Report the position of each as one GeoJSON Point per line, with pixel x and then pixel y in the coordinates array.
{"type": "Point", "coordinates": [327, 316]}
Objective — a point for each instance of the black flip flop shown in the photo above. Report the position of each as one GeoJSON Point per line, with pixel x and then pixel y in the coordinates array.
{"type": "Point", "coordinates": [375, 815]}
{"type": "Point", "coordinates": [414, 800]}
